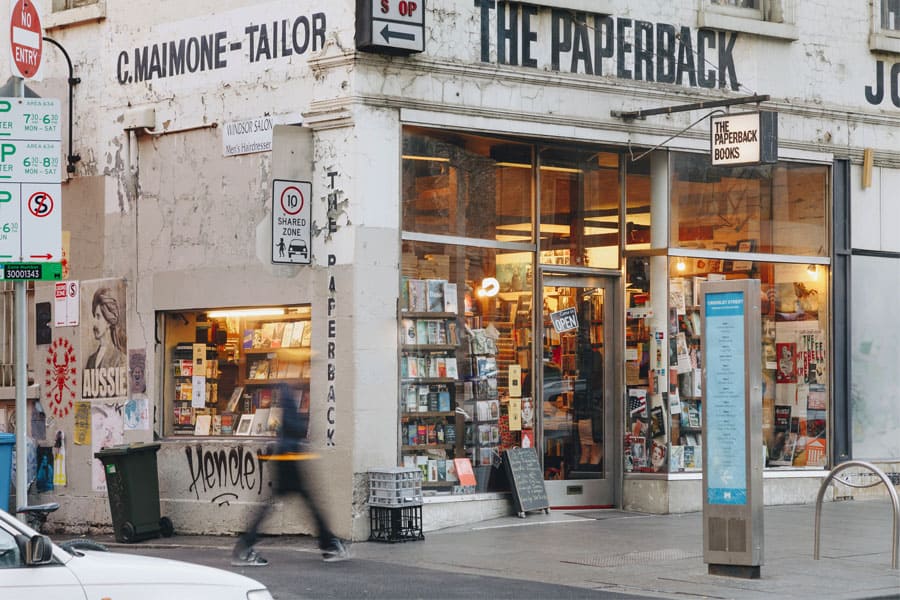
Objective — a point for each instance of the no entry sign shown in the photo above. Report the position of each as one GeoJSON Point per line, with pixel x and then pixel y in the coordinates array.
{"type": "Point", "coordinates": [26, 39]}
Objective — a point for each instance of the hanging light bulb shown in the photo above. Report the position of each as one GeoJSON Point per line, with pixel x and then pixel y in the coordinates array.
{"type": "Point", "coordinates": [680, 265]}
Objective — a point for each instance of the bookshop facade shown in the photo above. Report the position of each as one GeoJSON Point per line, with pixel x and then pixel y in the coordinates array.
{"type": "Point", "coordinates": [495, 260]}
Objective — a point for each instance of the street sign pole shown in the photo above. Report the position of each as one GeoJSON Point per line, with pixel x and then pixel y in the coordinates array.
{"type": "Point", "coordinates": [21, 343]}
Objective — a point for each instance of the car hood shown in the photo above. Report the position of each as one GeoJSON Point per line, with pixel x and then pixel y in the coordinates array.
{"type": "Point", "coordinates": [112, 568]}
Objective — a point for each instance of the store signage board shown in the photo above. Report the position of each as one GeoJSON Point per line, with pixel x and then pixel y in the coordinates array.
{"type": "Point", "coordinates": [526, 478]}
{"type": "Point", "coordinates": [732, 433]}
{"type": "Point", "coordinates": [67, 297]}
{"type": "Point", "coordinates": [30, 119]}
{"type": "Point", "coordinates": [743, 139]}
{"type": "Point", "coordinates": [390, 26]}
{"type": "Point", "coordinates": [30, 188]}
{"type": "Point", "coordinates": [291, 218]}
{"type": "Point", "coordinates": [564, 320]}
{"type": "Point", "coordinates": [34, 271]}
{"type": "Point", "coordinates": [26, 39]}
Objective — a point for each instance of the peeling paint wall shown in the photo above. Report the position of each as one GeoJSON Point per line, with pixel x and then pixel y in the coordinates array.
{"type": "Point", "coordinates": [187, 226]}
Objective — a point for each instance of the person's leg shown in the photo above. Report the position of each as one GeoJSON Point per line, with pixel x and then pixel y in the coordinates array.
{"type": "Point", "coordinates": [300, 475]}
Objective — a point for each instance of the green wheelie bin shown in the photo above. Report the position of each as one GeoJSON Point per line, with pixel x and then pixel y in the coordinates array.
{"type": "Point", "coordinates": [132, 483]}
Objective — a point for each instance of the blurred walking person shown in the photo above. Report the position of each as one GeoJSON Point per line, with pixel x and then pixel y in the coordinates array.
{"type": "Point", "coordinates": [290, 478]}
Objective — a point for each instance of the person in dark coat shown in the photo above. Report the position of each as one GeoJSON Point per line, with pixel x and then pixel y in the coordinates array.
{"type": "Point", "coordinates": [290, 478]}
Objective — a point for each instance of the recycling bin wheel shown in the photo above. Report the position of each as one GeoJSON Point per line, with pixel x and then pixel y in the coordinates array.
{"type": "Point", "coordinates": [166, 528]}
{"type": "Point", "coordinates": [127, 532]}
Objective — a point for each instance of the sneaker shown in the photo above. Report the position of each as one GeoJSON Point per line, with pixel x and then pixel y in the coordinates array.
{"type": "Point", "coordinates": [335, 551]}
{"type": "Point", "coordinates": [248, 558]}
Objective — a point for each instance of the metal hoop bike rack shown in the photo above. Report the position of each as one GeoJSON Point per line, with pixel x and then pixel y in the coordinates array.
{"type": "Point", "coordinates": [882, 479]}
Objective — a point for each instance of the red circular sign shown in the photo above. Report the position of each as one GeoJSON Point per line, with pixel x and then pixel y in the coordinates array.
{"type": "Point", "coordinates": [291, 200]}
{"type": "Point", "coordinates": [26, 38]}
{"type": "Point", "coordinates": [40, 204]}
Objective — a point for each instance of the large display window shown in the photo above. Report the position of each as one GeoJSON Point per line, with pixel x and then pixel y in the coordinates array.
{"type": "Point", "coordinates": [465, 349]}
{"type": "Point", "coordinates": [228, 368]}
{"type": "Point", "coordinates": [761, 222]}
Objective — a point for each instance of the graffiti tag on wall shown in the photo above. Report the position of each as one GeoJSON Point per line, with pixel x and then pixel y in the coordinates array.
{"type": "Point", "coordinates": [225, 472]}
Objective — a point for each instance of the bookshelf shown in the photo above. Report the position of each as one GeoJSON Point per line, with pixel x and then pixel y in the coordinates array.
{"type": "Point", "coordinates": [429, 376]}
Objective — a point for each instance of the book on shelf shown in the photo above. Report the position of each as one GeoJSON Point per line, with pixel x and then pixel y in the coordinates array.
{"type": "Point", "coordinates": [287, 334]}
{"type": "Point", "coordinates": [676, 459]}
{"type": "Point", "coordinates": [293, 369]}
{"type": "Point", "coordinates": [676, 295]}
{"type": "Point", "coordinates": [435, 295]}
{"type": "Point", "coordinates": [443, 398]}
{"type": "Point", "coordinates": [421, 331]}
{"type": "Point", "coordinates": [275, 420]}
{"type": "Point", "coordinates": [451, 304]}
{"type": "Point", "coordinates": [234, 399]}
{"type": "Point", "coordinates": [657, 421]}
{"type": "Point", "coordinates": [267, 332]}
{"type": "Point", "coordinates": [692, 457]}
{"type": "Point", "coordinates": [297, 333]}
{"type": "Point", "coordinates": [452, 367]}
{"type": "Point", "coordinates": [203, 425]}
{"type": "Point", "coordinates": [418, 295]}
{"type": "Point", "coordinates": [260, 421]}
{"type": "Point", "coordinates": [408, 327]}
{"type": "Point", "coordinates": [247, 339]}
{"type": "Point", "coordinates": [277, 334]}
{"type": "Point", "coordinates": [227, 423]}
{"type": "Point", "coordinates": [452, 335]}
{"type": "Point", "coordinates": [431, 331]}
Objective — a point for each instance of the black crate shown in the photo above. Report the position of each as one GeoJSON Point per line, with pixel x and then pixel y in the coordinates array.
{"type": "Point", "coordinates": [395, 523]}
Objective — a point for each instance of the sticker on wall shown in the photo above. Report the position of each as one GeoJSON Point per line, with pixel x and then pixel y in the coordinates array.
{"type": "Point", "coordinates": [107, 429]}
{"type": "Point", "coordinates": [105, 373]}
{"type": "Point", "coordinates": [82, 423]}
{"type": "Point", "coordinates": [59, 459]}
{"type": "Point", "coordinates": [60, 377]}
{"type": "Point", "coordinates": [137, 361]}
{"type": "Point", "coordinates": [137, 414]}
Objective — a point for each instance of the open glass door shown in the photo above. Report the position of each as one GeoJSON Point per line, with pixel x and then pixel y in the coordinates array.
{"type": "Point", "coordinates": [577, 418]}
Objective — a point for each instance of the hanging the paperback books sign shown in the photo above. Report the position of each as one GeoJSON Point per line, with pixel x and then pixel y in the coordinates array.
{"type": "Point", "coordinates": [744, 139]}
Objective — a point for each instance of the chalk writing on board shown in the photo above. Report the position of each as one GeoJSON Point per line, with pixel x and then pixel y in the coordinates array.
{"type": "Point", "coordinates": [526, 479]}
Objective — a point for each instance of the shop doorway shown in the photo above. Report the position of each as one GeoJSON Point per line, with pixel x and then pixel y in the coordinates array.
{"type": "Point", "coordinates": [577, 423]}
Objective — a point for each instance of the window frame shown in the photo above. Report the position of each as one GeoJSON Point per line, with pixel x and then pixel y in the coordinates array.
{"type": "Point", "coordinates": [749, 20]}
{"type": "Point", "coordinates": [61, 17]}
{"type": "Point", "coordinates": [880, 38]}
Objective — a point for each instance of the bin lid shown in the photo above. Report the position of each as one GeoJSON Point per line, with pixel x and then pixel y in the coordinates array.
{"type": "Point", "coordinates": [127, 449]}
{"type": "Point", "coordinates": [7, 438]}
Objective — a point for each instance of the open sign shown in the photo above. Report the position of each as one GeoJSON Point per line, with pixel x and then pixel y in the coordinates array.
{"type": "Point", "coordinates": [564, 320]}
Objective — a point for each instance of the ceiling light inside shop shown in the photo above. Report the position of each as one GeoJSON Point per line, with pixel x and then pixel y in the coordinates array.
{"type": "Point", "coordinates": [245, 312]}
{"type": "Point", "coordinates": [489, 287]}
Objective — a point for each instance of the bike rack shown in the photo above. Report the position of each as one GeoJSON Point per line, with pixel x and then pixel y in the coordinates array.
{"type": "Point", "coordinates": [883, 479]}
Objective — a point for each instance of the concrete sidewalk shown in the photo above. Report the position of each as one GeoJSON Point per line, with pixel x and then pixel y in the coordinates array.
{"type": "Point", "coordinates": [647, 555]}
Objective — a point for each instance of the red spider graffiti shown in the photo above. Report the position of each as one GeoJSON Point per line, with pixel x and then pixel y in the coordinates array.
{"type": "Point", "coordinates": [60, 376]}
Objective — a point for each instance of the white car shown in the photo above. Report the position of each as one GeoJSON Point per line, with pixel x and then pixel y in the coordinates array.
{"type": "Point", "coordinates": [34, 568]}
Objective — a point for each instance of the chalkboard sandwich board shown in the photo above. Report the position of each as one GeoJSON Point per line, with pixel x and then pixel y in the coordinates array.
{"type": "Point", "coordinates": [526, 480]}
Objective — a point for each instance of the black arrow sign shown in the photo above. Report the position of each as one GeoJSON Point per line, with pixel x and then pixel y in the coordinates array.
{"type": "Point", "coordinates": [387, 34]}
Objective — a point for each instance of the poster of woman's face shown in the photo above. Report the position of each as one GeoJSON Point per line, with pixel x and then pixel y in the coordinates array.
{"type": "Point", "coordinates": [104, 345]}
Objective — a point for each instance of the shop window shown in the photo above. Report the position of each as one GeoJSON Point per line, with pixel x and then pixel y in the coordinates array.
{"type": "Point", "coordinates": [580, 196]}
{"type": "Point", "coordinates": [874, 348]}
{"type": "Point", "coordinates": [228, 369]}
{"type": "Point", "coordinates": [466, 186]}
{"type": "Point", "coordinates": [778, 209]}
{"type": "Point", "coordinates": [482, 189]}
{"type": "Point", "coordinates": [770, 18]}
{"type": "Point", "coordinates": [795, 379]}
{"type": "Point", "coordinates": [465, 353]}
{"type": "Point", "coordinates": [637, 204]}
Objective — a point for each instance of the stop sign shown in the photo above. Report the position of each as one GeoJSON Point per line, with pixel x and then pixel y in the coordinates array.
{"type": "Point", "coordinates": [26, 40]}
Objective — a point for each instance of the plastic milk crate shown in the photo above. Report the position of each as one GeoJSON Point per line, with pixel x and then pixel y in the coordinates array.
{"type": "Point", "coordinates": [395, 523]}
{"type": "Point", "coordinates": [395, 486]}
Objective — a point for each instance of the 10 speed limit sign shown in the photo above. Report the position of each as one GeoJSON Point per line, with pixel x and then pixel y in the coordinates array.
{"type": "Point", "coordinates": [291, 222]}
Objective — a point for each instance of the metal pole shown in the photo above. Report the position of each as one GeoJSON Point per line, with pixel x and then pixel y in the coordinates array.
{"type": "Point", "coordinates": [21, 343]}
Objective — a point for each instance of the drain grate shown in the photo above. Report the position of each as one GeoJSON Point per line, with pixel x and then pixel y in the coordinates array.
{"type": "Point", "coordinates": [634, 558]}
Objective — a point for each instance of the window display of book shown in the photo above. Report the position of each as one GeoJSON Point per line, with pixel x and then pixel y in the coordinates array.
{"type": "Point", "coordinates": [429, 375]}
